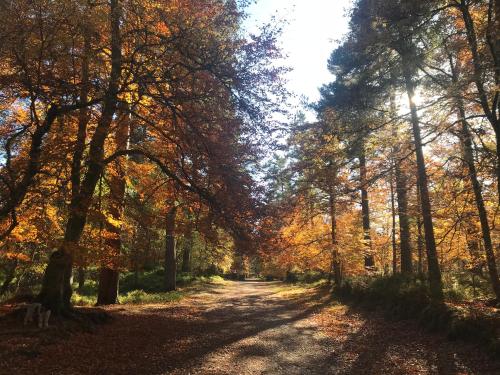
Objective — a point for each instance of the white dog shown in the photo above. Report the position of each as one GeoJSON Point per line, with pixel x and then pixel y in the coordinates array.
{"type": "Point", "coordinates": [42, 314]}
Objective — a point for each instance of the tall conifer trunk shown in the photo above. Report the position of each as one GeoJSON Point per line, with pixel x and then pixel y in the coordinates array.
{"type": "Point", "coordinates": [466, 139]}
{"type": "Point", "coordinates": [468, 156]}
{"type": "Point", "coordinates": [492, 112]}
{"type": "Point", "coordinates": [402, 197]}
{"type": "Point", "coordinates": [483, 215]}
{"type": "Point", "coordinates": [435, 281]}
{"type": "Point", "coordinates": [365, 209]}
{"type": "Point", "coordinates": [393, 227]}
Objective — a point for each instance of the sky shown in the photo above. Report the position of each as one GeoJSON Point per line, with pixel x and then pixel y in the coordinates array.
{"type": "Point", "coordinates": [311, 34]}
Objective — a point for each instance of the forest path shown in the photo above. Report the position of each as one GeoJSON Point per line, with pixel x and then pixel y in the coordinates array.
{"type": "Point", "coordinates": [250, 328]}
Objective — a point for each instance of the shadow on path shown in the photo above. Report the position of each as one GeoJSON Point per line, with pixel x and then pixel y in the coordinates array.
{"type": "Point", "coordinates": [250, 328]}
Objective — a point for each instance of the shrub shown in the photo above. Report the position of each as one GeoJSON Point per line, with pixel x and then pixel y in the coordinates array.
{"type": "Point", "coordinates": [83, 300]}
{"type": "Point", "coordinates": [149, 281]}
{"type": "Point", "coordinates": [291, 277]}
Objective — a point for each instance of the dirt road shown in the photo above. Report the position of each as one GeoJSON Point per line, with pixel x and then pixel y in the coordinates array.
{"type": "Point", "coordinates": [249, 328]}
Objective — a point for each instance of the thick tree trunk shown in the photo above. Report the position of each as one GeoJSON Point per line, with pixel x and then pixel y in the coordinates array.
{"type": "Point", "coordinates": [436, 285]}
{"type": "Point", "coordinates": [56, 287]}
{"type": "Point", "coordinates": [79, 147]}
{"type": "Point", "coordinates": [186, 254]}
{"type": "Point", "coordinates": [109, 275]}
{"type": "Point", "coordinates": [108, 286]}
{"type": "Point", "coordinates": [170, 263]}
{"type": "Point", "coordinates": [365, 209]}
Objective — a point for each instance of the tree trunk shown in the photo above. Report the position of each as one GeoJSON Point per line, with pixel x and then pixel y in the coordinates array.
{"type": "Point", "coordinates": [56, 286]}
{"type": "Point", "coordinates": [468, 151]}
{"type": "Point", "coordinates": [365, 208]}
{"type": "Point", "coordinates": [81, 278]}
{"type": "Point", "coordinates": [492, 112]}
{"type": "Point", "coordinates": [393, 229]}
{"type": "Point", "coordinates": [336, 266]}
{"type": "Point", "coordinates": [186, 254]}
{"type": "Point", "coordinates": [402, 198]}
{"type": "Point", "coordinates": [478, 194]}
{"type": "Point", "coordinates": [420, 238]}
{"type": "Point", "coordinates": [109, 275]}
{"type": "Point", "coordinates": [436, 285]}
{"type": "Point", "coordinates": [83, 120]}
{"type": "Point", "coordinates": [170, 264]}
{"type": "Point", "coordinates": [79, 147]}
{"type": "Point", "coordinates": [9, 276]}
{"type": "Point", "coordinates": [404, 221]}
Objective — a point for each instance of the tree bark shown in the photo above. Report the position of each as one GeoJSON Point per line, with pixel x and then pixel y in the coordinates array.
{"type": "Point", "coordinates": [109, 274]}
{"type": "Point", "coordinates": [492, 111]}
{"type": "Point", "coordinates": [79, 147]}
{"type": "Point", "coordinates": [468, 151]}
{"type": "Point", "coordinates": [81, 278]}
{"type": "Point", "coordinates": [393, 228]}
{"type": "Point", "coordinates": [420, 238]}
{"type": "Point", "coordinates": [186, 254]}
{"type": "Point", "coordinates": [336, 266]}
{"type": "Point", "coordinates": [402, 198]}
{"type": "Point", "coordinates": [56, 287]}
{"type": "Point", "coordinates": [9, 276]}
{"type": "Point", "coordinates": [435, 281]}
{"type": "Point", "coordinates": [404, 221]}
{"type": "Point", "coordinates": [170, 263]}
{"type": "Point", "coordinates": [365, 209]}
{"type": "Point", "coordinates": [83, 120]}
{"type": "Point", "coordinates": [478, 194]}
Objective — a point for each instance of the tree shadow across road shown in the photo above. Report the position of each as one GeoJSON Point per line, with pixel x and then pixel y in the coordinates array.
{"type": "Point", "coordinates": [252, 328]}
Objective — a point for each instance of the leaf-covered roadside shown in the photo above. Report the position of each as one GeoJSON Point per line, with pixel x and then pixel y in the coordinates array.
{"type": "Point", "coordinates": [244, 328]}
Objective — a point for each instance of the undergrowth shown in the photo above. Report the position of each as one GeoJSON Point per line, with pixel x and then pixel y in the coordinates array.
{"type": "Point", "coordinates": [147, 288]}
{"type": "Point", "coordinates": [402, 297]}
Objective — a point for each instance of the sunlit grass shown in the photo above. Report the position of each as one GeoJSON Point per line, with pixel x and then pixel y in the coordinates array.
{"type": "Point", "coordinates": [83, 300]}
{"type": "Point", "coordinates": [297, 289]}
{"type": "Point", "coordinates": [141, 297]}
{"type": "Point", "coordinates": [88, 295]}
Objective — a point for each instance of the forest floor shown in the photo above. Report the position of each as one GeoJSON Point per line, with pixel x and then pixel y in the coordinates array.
{"type": "Point", "coordinates": [247, 327]}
